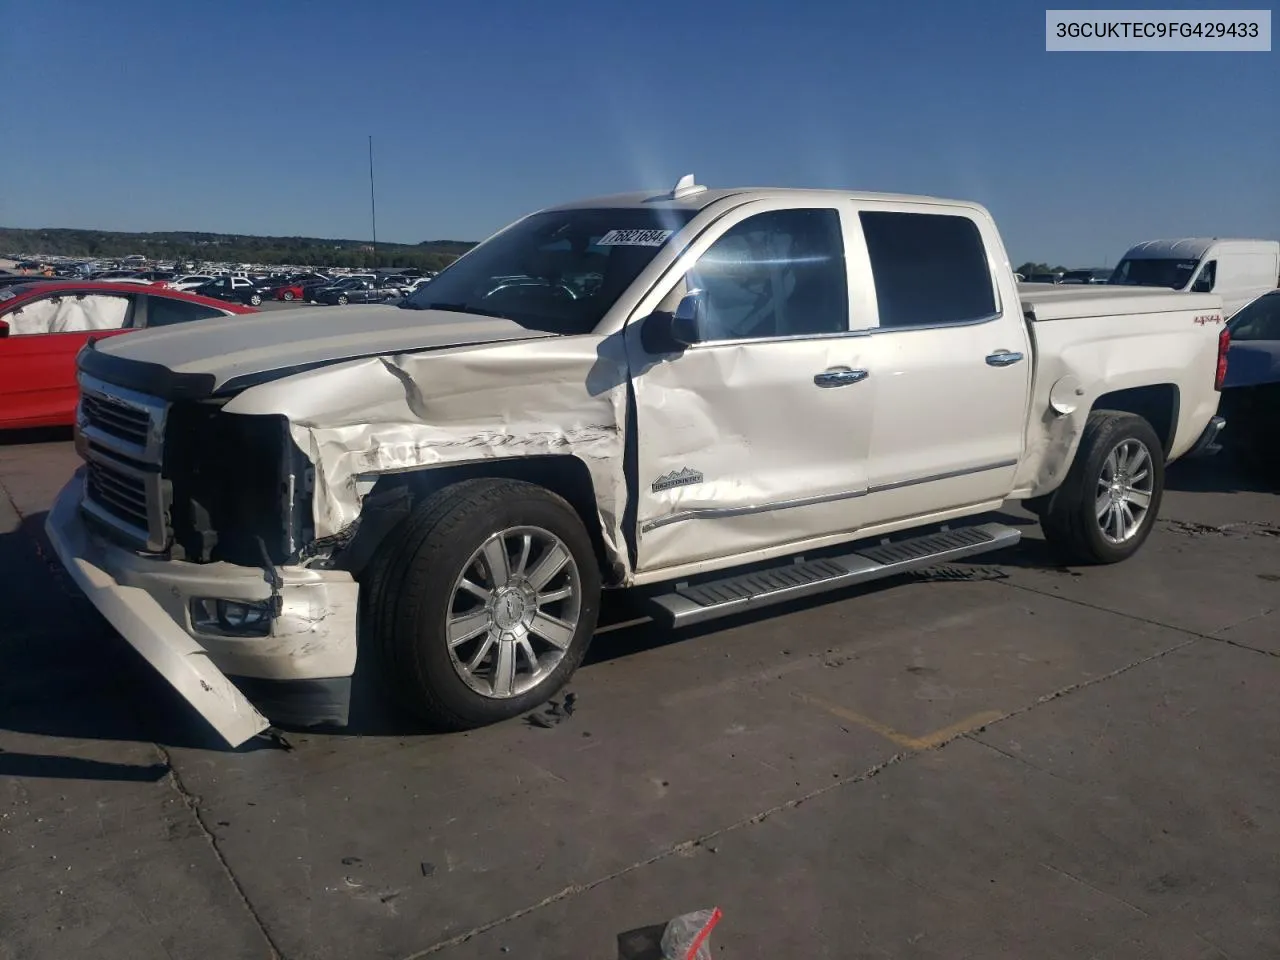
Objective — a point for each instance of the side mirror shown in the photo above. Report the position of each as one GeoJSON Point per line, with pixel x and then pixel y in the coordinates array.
{"type": "Point", "coordinates": [672, 332]}
{"type": "Point", "coordinates": [688, 320]}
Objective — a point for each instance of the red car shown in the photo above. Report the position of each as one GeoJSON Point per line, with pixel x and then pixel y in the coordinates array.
{"type": "Point", "coordinates": [43, 326]}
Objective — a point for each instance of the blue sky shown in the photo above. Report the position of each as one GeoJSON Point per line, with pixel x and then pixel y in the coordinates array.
{"type": "Point", "coordinates": [253, 117]}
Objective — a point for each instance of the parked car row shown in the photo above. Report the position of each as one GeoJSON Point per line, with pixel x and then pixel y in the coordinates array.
{"type": "Point", "coordinates": [312, 287]}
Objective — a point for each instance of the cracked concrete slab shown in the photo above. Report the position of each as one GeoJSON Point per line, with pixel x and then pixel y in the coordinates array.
{"type": "Point", "coordinates": [692, 772]}
{"type": "Point", "coordinates": [1064, 841]}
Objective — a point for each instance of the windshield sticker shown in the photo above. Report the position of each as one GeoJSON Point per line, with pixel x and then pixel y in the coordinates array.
{"type": "Point", "coordinates": [634, 238]}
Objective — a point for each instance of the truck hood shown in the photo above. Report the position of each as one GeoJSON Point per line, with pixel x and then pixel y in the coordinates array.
{"type": "Point", "coordinates": [221, 349]}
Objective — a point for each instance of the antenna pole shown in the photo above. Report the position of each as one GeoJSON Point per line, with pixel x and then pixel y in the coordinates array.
{"type": "Point", "coordinates": [373, 207]}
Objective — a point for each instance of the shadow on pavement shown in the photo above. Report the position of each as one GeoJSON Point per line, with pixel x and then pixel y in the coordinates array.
{"type": "Point", "coordinates": [1223, 473]}
{"type": "Point", "coordinates": [48, 767]}
{"type": "Point", "coordinates": [65, 673]}
{"type": "Point", "coordinates": [11, 438]}
{"type": "Point", "coordinates": [643, 943]}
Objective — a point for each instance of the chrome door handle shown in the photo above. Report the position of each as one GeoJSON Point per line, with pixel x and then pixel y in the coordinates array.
{"type": "Point", "coordinates": [1003, 358]}
{"type": "Point", "coordinates": [839, 377]}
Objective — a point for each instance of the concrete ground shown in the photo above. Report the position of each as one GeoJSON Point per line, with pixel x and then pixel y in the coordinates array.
{"type": "Point", "coordinates": [1007, 759]}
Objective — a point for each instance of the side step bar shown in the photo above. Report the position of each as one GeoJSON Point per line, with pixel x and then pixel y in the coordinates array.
{"type": "Point", "coordinates": [690, 604]}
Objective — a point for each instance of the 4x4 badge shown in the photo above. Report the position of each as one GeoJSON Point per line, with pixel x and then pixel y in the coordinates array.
{"type": "Point", "coordinates": [677, 479]}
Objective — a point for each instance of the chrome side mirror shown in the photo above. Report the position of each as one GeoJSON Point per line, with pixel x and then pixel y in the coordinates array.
{"type": "Point", "coordinates": [672, 332]}
{"type": "Point", "coordinates": [688, 321]}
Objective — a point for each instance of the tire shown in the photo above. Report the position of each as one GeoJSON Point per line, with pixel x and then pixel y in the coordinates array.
{"type": "Point", "coordinates": [287, 295]}
{"type": "Point", "coordinates": [1070, 517]}
{"type": "Point", "coordinates": [256, 299]}
{"type": "Point", "coordinates": [342, 300]}
{"type": "Point", "coordinates": [415, 587]}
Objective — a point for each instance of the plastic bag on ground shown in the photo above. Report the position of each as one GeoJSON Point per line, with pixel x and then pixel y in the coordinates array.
{"type": "Point", "coordinates": [688, 937]}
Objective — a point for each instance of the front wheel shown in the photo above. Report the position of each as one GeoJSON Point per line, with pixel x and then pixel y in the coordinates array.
{"type": "Point", "coordinates": [484, 605]}
{"type": "Point", "coordinates": [342, 300]}
{"type": "Point", "coordinates": [288, 295]}
{"type": "Point", "coordinates": [256, 299]}
{"type": "Point", "coordinates": [1105, 508]}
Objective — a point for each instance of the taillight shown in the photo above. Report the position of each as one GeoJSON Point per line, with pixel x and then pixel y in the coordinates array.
{"type": "Point", "coordinates": [1224, 344]}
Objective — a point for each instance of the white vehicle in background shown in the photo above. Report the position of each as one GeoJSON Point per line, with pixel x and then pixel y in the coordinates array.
{"type": "Point", "coordinates": [1237, 270]}
{"type": "Point", "coordinates": [716, 399]}
{"type": "Point", "coordinates": [190, 281]}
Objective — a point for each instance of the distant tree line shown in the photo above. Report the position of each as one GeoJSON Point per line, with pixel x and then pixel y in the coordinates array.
{"type": "Point", "coordinates": [232, 248]}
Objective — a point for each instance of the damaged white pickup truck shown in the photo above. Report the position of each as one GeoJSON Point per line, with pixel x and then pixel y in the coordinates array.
{"type": "Point", "coordinates": [718, 399]}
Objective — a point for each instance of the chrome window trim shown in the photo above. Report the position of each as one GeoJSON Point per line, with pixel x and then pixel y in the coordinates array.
{"type": "Point", "coordinates": [944, 325]}
{"type": "Point", "coordinates": [716, 513]}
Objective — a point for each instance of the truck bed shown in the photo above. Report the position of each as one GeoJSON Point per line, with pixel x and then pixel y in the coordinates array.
{"type": "Point", "coordinates": [1046, 301]}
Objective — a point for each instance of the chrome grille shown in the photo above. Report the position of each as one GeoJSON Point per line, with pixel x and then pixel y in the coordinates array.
{"type": "Point", "coordinates": [125, 422]}
{"type": "Point", "coordinates": [120, 435]}
{"type": "Point", "coordinates": [119, 494]}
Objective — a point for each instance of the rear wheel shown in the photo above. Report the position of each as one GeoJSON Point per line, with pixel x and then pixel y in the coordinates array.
{"type": "Point", "coordinates": [484, 605]}
{"type": "Point", "coordinates": [288, 295]}
{"type": "Point", "coordinates": [342, 300]}
{"type": "Point", "coordinates": [1105, 508]}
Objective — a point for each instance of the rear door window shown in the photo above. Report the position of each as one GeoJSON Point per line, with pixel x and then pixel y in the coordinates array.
{"type": "Point", "coordinates": [929, 269]}
{"type": "Point", "coordinates": [164, 312]}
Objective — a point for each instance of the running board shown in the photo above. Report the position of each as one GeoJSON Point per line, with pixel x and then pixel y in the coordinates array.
{"type": "Point", "coordinates": [690, 604]}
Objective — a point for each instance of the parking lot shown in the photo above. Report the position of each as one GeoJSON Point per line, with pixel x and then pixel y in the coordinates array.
{"type": "Point", "coordinates": [1000, 759]}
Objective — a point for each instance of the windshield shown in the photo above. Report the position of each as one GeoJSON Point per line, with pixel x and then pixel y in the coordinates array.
{"type": "Point", "coordinates": [1259, 320]}
{"type": "Point", "coordinates": [558, 271]}
{"type": "Point", "coordinates": [1154, 273]}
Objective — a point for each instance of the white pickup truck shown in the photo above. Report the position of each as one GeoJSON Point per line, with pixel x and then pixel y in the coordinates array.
{"type": "Point", "coordinates": [717, 399]}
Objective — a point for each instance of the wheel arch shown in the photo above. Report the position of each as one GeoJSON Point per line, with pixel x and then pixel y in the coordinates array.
{"type": "Point", "coordinates": [395, 495]}
{"type": "Point", "coordinates": [1157, 403]}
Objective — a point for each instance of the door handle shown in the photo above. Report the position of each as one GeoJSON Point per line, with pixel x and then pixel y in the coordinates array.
{"type": "Point", "coordinates": [1003, 358]}
{"type": "Point", "coordinates": [839, 377]}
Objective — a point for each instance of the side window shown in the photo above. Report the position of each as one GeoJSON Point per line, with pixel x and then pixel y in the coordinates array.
{"type": "Point", "coordinates": [776, 274]}
{"type": "Point", "coordinates": [69, 314]}
{"type": "Point", "coordinates": [163, 312]}
{"type": "Point", "coordinates": [1259, 320]}
{"type": "Point", "coordinates": [1208, 276]}
{"type": "Point", "coordinates": [929, 268]}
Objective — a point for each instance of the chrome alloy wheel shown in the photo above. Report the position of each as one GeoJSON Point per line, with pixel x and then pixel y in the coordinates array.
{"type": "Point", "coordinates": [1124, 491]}
{"type": "Point", "coordinates": [513, 612]}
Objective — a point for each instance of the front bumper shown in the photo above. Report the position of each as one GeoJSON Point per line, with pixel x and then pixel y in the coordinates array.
{"type": "Point", "coordinates": [311, 644]}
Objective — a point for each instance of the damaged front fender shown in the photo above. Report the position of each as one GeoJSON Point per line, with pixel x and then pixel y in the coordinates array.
{"type": "Point", "coordinates": [359, 420]}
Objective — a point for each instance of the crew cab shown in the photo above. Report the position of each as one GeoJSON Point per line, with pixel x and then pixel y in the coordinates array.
{"type": "Point", "coordinates": [715, 399]}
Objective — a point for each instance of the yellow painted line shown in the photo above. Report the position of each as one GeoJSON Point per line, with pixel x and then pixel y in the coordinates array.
{"type": "Point", "coordinates": [930, 740]}
{"type": "Point", "coordinates": [927, 742]}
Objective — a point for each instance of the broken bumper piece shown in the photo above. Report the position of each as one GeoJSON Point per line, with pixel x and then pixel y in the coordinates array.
{"type": "Point", "coordinates": [291, 647]}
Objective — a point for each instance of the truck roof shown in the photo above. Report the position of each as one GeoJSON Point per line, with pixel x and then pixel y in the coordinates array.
{"type": "Point", "coordinates": [687, 195]}
{"type": "Point", "coordinates": [1187, 248]}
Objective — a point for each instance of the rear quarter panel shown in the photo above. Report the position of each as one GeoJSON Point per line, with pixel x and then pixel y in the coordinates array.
{"type": "Point", "coordinates": [1081, 359]}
